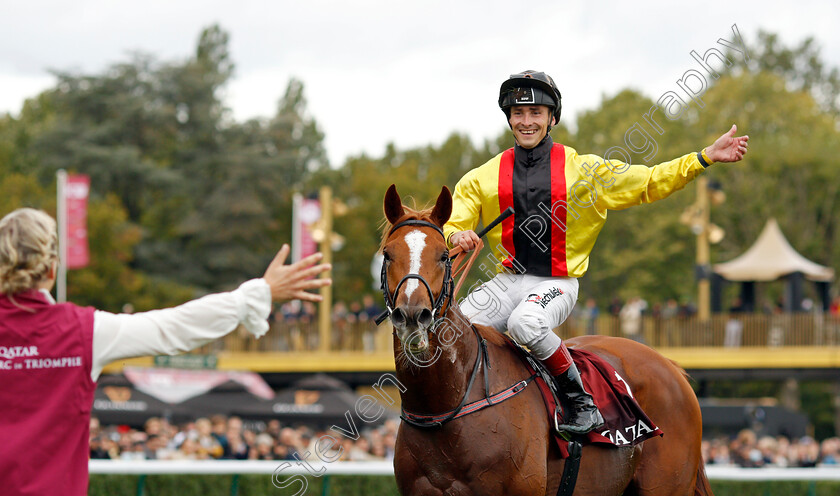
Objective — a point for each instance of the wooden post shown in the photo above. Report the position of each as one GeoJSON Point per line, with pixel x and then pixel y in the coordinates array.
{"type": "Point", "coordinates": [325, 307]}
{"type": "Point", "coordinates": [703, 283]}
{"type": "Point", "coordinates": [61, 217]}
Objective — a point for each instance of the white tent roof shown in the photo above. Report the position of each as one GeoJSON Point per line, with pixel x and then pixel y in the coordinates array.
{"type": "Point", "coordinates": [769, 258]}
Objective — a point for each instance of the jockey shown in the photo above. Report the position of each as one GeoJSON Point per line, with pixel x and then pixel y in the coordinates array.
{"type": "Point", "coordinates": [560, 201]}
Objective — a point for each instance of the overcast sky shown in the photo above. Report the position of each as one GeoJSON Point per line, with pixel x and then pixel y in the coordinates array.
{"type": "Point", "coordinates": [378, 71]}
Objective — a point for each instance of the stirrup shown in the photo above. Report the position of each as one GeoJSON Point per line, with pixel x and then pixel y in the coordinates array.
{"type": "Point", "coordinates": [564, 433]}
{"type": "Point", "coordinates": [558, 416]}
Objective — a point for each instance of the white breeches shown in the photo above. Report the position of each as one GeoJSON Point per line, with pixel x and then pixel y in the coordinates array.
{"type": "Point", "coordinates": [527, 306]}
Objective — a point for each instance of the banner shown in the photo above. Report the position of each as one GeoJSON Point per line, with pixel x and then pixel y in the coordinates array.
{"type": "Point", "coordinates": [178, 385]}
{"type": "Point", "coordinates": [305, 213]}
{"type": "Point", "coordinates": [75, 195]}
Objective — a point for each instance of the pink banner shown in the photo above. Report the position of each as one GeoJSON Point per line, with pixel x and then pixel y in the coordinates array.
{"type": "Point", "coordinates": [178, 385]}
{"type": "Point", "coordinates": [307, 212]}
{"type": "Point", "coordinates": [76, 194]}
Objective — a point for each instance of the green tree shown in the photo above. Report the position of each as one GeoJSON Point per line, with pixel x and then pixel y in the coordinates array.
{"type": "Point", "coordinates": [790, 138]}
{"type": "Point", "coordinates": [801, 66]}
{"type": "Point", "coordinates": [109, 281]}
{"type": "Point", "coordinates": [788, 103]}
{"type": "Point", "coordinates": [210, 196]}
{"type": "Point", "coordinates": [419, 174]}
{"type": "Point", "coordinates": [264, 164]}
{"type": "Point", "coordinates": [19, 190]}
{"type": "Point", "coordinates": [149, 134]}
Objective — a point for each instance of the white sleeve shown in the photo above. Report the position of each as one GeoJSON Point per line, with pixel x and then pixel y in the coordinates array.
{"type": "Point", "coordinates": [179, 329]}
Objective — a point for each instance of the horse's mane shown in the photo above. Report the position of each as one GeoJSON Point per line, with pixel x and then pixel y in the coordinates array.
{"type": "Point", "coordinates": [410, 214]}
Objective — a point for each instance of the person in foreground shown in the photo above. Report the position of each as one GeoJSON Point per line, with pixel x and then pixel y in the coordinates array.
{"type": "Point", "coordinates": [560, 201]}
{"type": "Point", "coordinates": [51, 354]}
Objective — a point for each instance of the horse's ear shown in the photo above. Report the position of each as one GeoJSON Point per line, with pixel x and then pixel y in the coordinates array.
{"type": "Point", "coordinates": [443, 207]}
{"type": "Point", "coordinates": [393, 205]}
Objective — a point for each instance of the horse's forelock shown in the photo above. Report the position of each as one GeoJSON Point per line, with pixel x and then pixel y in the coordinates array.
{"type": "Point", "coordinates": [410, 214]}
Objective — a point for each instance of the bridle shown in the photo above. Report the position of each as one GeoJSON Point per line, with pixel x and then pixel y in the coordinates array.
{"type": "Point", "coordinates": [446, 292]}
{"type": "Point", "coordinates": [441, 304]}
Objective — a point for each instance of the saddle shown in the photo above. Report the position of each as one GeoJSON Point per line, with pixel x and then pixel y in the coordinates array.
{"type": "Point", "coordinates": [625, 423]}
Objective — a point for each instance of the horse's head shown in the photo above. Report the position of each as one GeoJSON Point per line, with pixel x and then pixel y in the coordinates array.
{"type": "Point", "coordinates": [416, 272]}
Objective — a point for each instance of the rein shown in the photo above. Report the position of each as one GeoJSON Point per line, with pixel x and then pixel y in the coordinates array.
{"type": "Point", "coordinates": [427, 421]}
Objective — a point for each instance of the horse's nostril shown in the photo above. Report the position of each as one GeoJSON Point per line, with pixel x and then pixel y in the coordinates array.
{"type": "Point", "coordinates": [398, 317]}
{"type": "Point", "coordinates": [424, 317]}
{"type": "Point", "coordinates": [412, 316]}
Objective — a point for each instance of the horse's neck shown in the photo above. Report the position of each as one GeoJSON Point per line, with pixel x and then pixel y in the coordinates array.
{"type": "Point", "coordinates": [441, 385]}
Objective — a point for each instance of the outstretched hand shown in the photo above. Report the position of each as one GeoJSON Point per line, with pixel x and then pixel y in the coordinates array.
{"type": "Point", "coordinates": [290, 282]}
{"type": "Point", "coordinates": [728, 148]}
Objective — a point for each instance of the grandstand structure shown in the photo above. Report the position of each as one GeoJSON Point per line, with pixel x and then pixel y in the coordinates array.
{"type": "Point", "coordinates": [803, 345]}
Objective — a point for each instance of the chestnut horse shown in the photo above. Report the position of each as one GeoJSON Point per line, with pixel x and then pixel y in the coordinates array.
{"type": "Point", "coordinates": [508, 448]}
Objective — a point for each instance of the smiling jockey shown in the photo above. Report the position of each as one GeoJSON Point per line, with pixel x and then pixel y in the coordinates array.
{"type": "Point", "coordinates": [560, 202]}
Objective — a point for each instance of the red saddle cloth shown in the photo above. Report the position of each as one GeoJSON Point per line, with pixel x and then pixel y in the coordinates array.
{"type": "Point", "coordinates": [625, 424]}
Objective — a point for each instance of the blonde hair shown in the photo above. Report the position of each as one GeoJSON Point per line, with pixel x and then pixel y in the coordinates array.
{"type": "Point", "coordinates": [28, 247]}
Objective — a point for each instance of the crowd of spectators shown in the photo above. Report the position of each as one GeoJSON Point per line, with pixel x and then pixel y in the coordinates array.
{"type": "Point", "coordinates": [220, 437]}
{"type": "Point", "coordinates": [295, 326]}
{"type": "Point", "coordinates": [230, 438]}
{"type": "Point", "coordinates": [751, 451]}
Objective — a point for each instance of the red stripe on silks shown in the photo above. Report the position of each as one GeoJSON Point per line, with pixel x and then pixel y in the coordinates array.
{"type": "Point", "coordinates": [559, 268]}
{"type": "Point", "coordinates": [505, 201]}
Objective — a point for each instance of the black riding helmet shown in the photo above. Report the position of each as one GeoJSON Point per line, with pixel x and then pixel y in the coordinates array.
{"type": "Point", "coordinates": [530, 88]}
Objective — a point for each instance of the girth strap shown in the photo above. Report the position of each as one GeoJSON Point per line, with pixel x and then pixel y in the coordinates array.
{"type": "Point", "coordinates": [568, 480]}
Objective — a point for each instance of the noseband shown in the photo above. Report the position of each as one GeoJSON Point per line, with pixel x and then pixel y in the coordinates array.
{"type": "Point", "coordinates": [446, 291]}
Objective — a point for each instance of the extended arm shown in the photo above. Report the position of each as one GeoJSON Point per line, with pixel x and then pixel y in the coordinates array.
{"type": "Point", "coordinates": [624, 185]}
{"type": "Point", "coordinates": [177, 330]}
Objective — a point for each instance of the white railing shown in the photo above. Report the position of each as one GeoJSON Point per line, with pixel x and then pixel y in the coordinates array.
{"type": "Point", "coordinates": [773, 473]}
{"type": "Point", "coordinates": [291, 467]}
{"type": "Point", "coordinates": [222, 467]}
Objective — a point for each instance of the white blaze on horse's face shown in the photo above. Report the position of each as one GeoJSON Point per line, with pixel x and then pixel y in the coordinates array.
{"type": "Point", "coordinates": [410, 320]}
{"type": "Point", "coordinates": [416, 241]}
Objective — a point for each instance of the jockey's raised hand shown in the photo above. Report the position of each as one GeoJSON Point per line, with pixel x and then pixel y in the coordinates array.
{"type": "Point", "coordinates": [728, 148]}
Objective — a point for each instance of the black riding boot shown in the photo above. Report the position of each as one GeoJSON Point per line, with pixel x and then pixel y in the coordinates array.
{"type": "Point", "coordinates": [583, 415]}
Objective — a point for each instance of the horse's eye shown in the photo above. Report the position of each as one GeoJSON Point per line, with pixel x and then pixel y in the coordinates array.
{"type": "Point", "coordinates": [445, 257]}
{"type": "Point", "coordinates": [386, 257]}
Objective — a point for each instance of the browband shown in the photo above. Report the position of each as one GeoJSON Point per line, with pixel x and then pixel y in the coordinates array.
{"type": "Point", "coordinates": [415, 222]}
